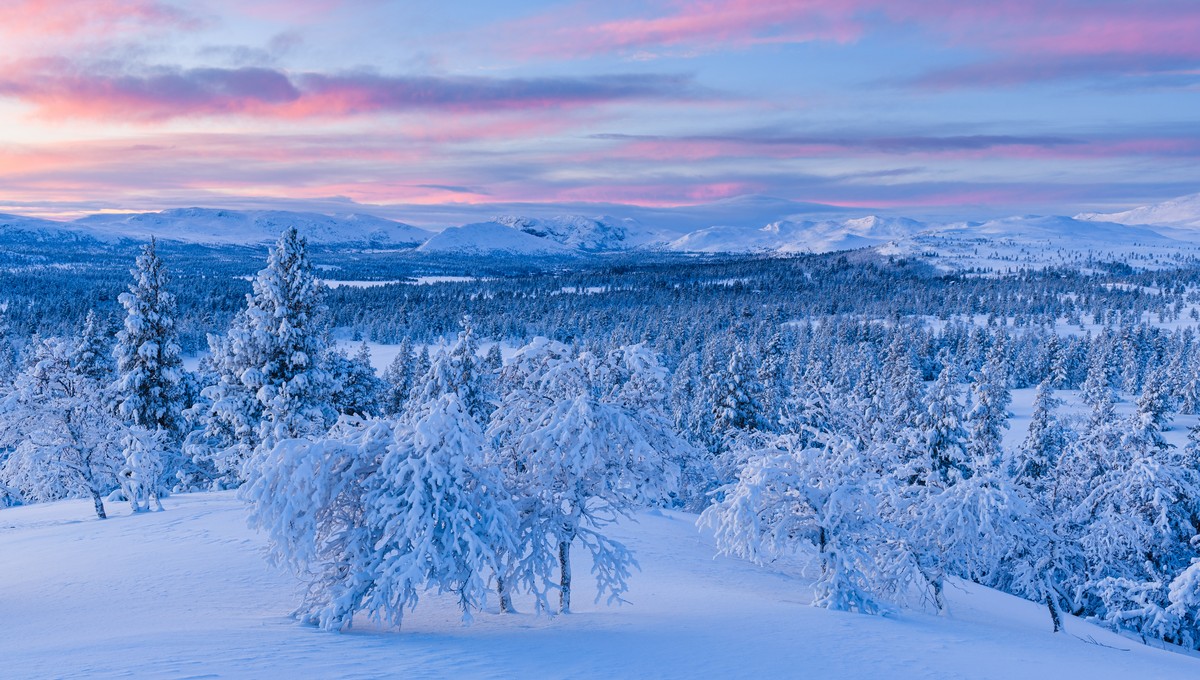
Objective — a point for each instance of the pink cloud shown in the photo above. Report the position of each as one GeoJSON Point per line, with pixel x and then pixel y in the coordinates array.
{"type": "Point", "coordinates": [41, 18]}
{"type": "Point", "coordinates": [61, 90]}
{"type": "Point", "coordinates": [693, 27]}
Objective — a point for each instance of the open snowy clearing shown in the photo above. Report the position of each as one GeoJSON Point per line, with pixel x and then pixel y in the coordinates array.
{"type": "Point", "coordinates": [185, 593]}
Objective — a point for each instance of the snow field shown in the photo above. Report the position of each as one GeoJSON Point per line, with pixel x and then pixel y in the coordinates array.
{"type": "Point", "coordinates": [186, 593]}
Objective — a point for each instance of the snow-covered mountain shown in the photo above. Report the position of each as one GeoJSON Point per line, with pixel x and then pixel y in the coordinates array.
{"type": "Point", "coordinates": [577, 232]}
{"type": "Point", "coordinates": [733, 226]}
{"type": "Point", "coordinates": [786, 236]}
{"type": "Point", "coordinates": [1180, 212]}
{"type": "Point", "coordinates": [38, 230]}
{"type": "Point", "coordinates": [213, 226]}
{"type": "Point", "coordinates": [491, 238]}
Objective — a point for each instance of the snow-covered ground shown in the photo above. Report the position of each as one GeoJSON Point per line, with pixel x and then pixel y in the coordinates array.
{"type": "Point", "coordinates": [186, 593]}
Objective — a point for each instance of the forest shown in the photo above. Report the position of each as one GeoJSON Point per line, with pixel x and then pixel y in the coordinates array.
{"type": "Point", "coordinates": [850, 406]}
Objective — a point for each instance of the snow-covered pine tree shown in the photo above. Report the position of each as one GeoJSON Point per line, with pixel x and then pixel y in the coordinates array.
{"type": "Point", "coordinates": [92, 356]}
{"type": "Point", "coordinates": [457, 370]}
{"type": "Point", "coordinates": [943, 434]}
{"type": "Point", "coordinates": [989, 414]}
{"type": "Point", "coordinates": [1034, 461]}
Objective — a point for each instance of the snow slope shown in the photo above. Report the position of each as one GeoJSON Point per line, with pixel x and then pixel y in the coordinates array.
{"type": "Point", "coordinates": [490, 238]}
{"type": "Point", "coordinates": [186, 593]}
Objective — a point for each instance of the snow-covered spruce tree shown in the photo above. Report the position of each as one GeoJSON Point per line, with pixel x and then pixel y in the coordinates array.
{"type": "Point", "coordinates": [357, 390]}
{"type": "Point", "coordinates": [149, 381]}
{"type": "Point", "coordinates": [737, 413]}
{"type": "Point", "coordinates": [580, 446]}
{"type": "Point", "coordinates": [285, 313]}
{"type": "Point", "coordinates": [149, 368]}
{"type": "Point", "coordinates": [91, 355]}
{"type": "Point", "coordinates": [1034, 461]}
{"type": "Point", "coordinates": [63, 439]}
{"type": "Point", "coordinates": [398, 379]}
{"type": "Point", "coordinates": [379, 512]}
{"type": "Point", "coordinates": [456, 370]}
{"type": "Point", "coordinates": [942, 433]}
{"type": "Point", "coordinates": [989, 414]}
{"type": "Point", "coordinates": [1048, 567]}
{"type": "Point", "coordinates": [272, 384]}
{"type": "Point", "coordinates": [227, 416]}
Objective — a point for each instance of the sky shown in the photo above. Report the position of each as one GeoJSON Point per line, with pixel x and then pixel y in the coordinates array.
{"type": "Point", "coordinates": [922, 107]}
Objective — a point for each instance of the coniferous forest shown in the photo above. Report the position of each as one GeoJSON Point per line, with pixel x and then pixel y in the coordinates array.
{"type": "Point", "coordinates": [849, 406]}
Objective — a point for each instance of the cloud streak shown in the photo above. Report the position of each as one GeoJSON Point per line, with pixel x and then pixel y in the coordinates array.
{"type": "Point", "coordinates": [58, 89]}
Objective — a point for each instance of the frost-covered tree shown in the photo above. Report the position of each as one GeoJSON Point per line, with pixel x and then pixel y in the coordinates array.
{"type": "Point", "coordinates": [824, 496]}
{"type": "Point", "coordinates": [575, 442]}
{"type": "Point", "coordinates": [457, 370]}
{"type": "Point", "coordinates": [443, 514]}
{"type": "Point", "coordinates": [92, 356]}
{"type": "Point", "coordinates": [380, 512]}
{"type": "Point", "coordinates": [141, 475]}
{"type": "Point", "coordinates": [285, 315]}
{"type": "Point", "coordinates": [1140, 520]}
{"type": "Point", "coordinates": [63, 440]}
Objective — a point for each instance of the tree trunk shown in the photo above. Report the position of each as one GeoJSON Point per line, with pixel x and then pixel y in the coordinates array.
{"type": "Point", "coordinates": [502, 592]}
{"type": "Point", "coordinates": [564, 566]}
{"type": "Point", "coordinates": [99, 503]}
{"type": "Point", "coordinates": [1054, 617]}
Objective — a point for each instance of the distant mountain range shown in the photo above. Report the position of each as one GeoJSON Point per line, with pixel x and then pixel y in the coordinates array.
{"type": "Point", "coordinates": [745, 225]}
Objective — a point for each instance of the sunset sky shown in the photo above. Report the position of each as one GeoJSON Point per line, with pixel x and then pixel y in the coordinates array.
{"type": "Point", "coordinates": [919, 106]}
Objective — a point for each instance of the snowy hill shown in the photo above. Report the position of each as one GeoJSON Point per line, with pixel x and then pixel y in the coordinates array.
{"type": "Point", "coordinates": [1040, 241]}
{"type": "Point", "coordinates": [186, 593]}
{"type": "Point", "coordinates": [1179, 212]}
{"type": "Point", "coordinates": [583, 233]}
{"type": "Point", "coordinates": [212, 226]}
{"type": "Point", "coordinates": [18, 227]}
{"type": "Point", "coordinates": [786, 236]}
{"type": "Point", "coordinates": [490, 238]}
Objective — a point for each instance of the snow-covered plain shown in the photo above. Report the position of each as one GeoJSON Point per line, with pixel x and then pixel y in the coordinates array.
{"type": "Point", "coordinates": [186, 593]}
